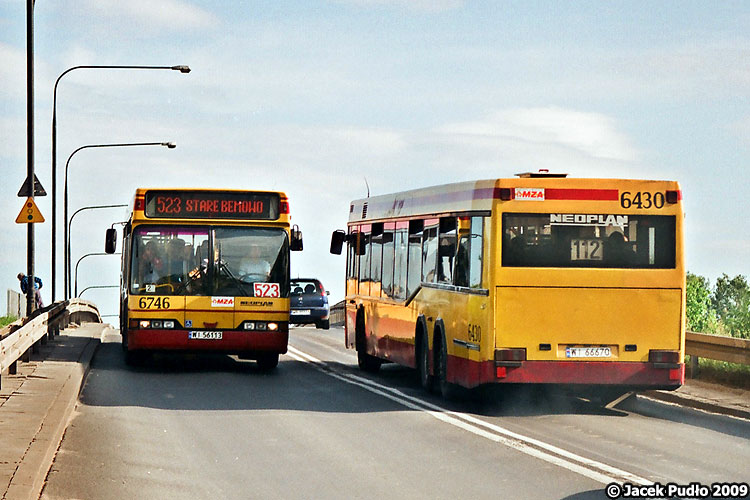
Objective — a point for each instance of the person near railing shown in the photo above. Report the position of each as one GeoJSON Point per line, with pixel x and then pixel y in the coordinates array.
{"type": "Point", "coordinates": [37, 285]}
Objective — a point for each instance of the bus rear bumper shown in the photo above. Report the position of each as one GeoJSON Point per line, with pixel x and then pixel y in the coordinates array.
{"type": "Point", "coordinates": [232, 341]}
{"type": "Point", "coordinates": [636, 375]}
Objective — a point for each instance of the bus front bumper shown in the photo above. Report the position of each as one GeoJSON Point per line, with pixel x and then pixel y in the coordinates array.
{"type": "Point", "coordinates": [231, 341]}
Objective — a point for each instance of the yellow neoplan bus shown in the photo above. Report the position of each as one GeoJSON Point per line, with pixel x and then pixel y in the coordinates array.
{"type": "Point", "coordinates": [537, 279]}
{"type": "Point", "coordinates": [206, 270]}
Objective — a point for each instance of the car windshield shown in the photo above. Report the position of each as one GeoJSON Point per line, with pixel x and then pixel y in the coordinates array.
{"type": "Point", "coordinates": [306, 287]}
{"type": "Point", "coordinates": [589, 240]}
{"type": "Point", "coordinates": [169, 260]}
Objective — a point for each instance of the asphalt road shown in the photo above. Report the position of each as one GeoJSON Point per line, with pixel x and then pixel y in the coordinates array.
{"type": "Point", "coordinates": [216, 427]}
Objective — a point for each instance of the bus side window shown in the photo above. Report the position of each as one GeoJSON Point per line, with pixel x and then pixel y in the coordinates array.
{"type": "Point", "coordinates": [364, 263]}
{"type": "Point", "coordinates": [400, 261]}
{"type": "Point", "coordinates": [476, 252]}
{"type": "Point", "coordinates": [446, 249]}
{"type": "Point", "coordinates": [414, 273]}
{"type": "Point", "coordinates": [461, 270]}
{"type": "Point", "coordinates": [376, 265]}
{"type": "Point", "coordinates": [429, 251]}
{"type": "Point", "coordinates": [388, 258]}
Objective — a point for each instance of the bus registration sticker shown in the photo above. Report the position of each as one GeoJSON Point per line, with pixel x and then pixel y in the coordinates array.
{"type": "Point", "coordinates": [271, 290]}
{"type": "Point", "coordinates": [588, 352]}
{"type": "Point", "coordinates": [204, 335]}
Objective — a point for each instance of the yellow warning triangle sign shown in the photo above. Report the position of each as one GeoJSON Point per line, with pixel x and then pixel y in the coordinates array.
{"type": "Point", "coordinates": [29, 213]}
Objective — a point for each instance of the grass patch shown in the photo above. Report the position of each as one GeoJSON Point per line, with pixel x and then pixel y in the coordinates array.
{"type": "Point", "coordinates": [6, 320]}
{"type": "Point", "coordinates": [732, 374]}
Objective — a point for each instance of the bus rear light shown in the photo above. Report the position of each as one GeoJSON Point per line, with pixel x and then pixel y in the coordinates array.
{"type": "Point", "coordinates": [506, 194]}
{"type": "Point", "coordinates": [140, 203]}
{"type": "Point", "coordinates": [675, 374]}
{"type": "Point", "coordinates": [673, 196]}
{"type": "Point", "coordinates": [284, 207]}
{"type": "Point", "coordinates": [663, 356]}
{"type": "Point", "coordinates": [502, 372]}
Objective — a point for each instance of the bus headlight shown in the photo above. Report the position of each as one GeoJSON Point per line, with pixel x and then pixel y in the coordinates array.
{"type": "Point", "coordinates": [144, 323]}
{"type": "Point", "coordinates": [168, 323]}
{"type": "Point", "coordinates": [249, 325]}
{"type": "Point", "coordinates": [273, 326]}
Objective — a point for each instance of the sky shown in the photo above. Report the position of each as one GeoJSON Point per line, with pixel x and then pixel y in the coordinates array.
{"type": "Point", "coordinates": [320, 98]}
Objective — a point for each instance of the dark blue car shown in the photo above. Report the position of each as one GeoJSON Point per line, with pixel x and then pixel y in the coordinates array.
{"type": "Point", "coordinates": [309, 303]}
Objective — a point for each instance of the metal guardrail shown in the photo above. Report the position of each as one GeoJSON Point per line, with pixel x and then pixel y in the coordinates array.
{"type": "Point", "coordinates": [22, 337]}
{"type": "Point", "coordinates": [337, 314]}
{"type": "Point", "coordinates": [717, 347]}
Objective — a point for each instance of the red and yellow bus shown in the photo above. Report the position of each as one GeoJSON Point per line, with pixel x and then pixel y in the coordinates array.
{"type": "Point", "coordinates": [206, 270]}
{"type": "Point", "coordinates": [537, 279]}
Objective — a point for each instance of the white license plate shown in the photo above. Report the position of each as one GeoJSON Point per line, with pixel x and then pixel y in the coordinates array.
{"type": "Point", "coordinates": [588, 352]}
{"type": "Point", "coordinates": [300, 311]}
{"type": "Point", "coordinates": [204, 335]}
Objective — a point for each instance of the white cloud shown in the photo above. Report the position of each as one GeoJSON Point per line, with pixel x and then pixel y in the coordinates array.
{"type": "Point", "coordinates": [12, 72]}
{"type": "Point", "coordinates": [173, 15]}
{"type": "Point", "coordinates": [414, 5]}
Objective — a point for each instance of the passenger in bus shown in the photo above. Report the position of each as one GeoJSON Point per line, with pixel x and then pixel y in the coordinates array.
{"type": "Point", "coordinates": [618, 251]}
{"type": "Point", "coordinates": [151, 262]}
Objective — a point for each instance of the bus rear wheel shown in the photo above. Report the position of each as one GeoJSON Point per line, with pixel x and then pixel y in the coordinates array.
{"type": "Point", "coordinates": [426, 380]}
{"type": "Point", "coordinates": [447, 389]}
{"type": "Point", "coordinates": [268, 361]}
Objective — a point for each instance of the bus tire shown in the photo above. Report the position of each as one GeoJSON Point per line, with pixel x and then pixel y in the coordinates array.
{"type": "Point", "coordinates": [426, 380]}
{"type": "Point", "coordinates": [268, 361]}
{"type": "Point", "coordinates": [366, 362]}
{"type": "Point", "coordinates": [134, 358]}
{"type": "Point", "coordinates": [447, 389]}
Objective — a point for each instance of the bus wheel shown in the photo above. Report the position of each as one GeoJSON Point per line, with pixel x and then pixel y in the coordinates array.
{"type": "Point", "coordinates": [368, 363]}
{"type": "Point", "coordinates": [423, 364]}
{"type": "Point", "coordinates": [447, 390]}
{"type": "Point", "coordinates": [268, 361]}
{"type": "Point", "coordinates": [134, 358]}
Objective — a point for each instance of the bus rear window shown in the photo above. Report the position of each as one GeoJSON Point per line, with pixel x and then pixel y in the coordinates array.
{"type": "Point", "coordinates": [589, 240]}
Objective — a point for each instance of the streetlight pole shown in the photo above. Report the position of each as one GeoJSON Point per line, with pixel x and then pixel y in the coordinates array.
{"type": "Point", "coordinates": [181, 69]}
{"type": "Point", "coordinates": [99, 286]}
{"type": "Point", "coordinates": [70, 225]}
{"type": "Point", "coordinates": [89, 255]}
{"type": "Point", "coordinates": [66, 239]}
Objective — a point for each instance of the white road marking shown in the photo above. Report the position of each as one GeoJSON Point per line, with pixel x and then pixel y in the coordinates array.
{"type": "Point", "coordinates": [592, 469]}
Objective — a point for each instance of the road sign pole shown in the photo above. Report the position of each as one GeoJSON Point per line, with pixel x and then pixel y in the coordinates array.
{"type": "Point", "coordinates": [30, 302]}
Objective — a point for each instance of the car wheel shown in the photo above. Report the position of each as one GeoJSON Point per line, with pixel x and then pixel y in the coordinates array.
{"type": "Point", "coordinates": [325, 324]}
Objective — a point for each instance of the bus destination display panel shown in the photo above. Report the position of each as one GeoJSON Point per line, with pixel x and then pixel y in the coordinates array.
{"type": "Point", "coordinates": [211, 205]}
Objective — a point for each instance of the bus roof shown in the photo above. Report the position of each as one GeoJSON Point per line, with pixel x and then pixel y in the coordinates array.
{"type": "Point", "coordinates": [481, 195]}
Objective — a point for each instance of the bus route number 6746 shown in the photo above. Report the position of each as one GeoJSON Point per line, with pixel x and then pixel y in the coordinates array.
{"type": "Point", "coordinates": [153, 303]}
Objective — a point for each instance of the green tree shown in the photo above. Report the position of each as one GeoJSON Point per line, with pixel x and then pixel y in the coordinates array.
{"type": "Point", "coordinates": [699, 310]}
{"type": "Point", "coordinates": [731, 300]}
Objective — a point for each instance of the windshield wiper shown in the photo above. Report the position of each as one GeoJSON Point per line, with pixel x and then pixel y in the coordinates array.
{"type": "Point", "coordinates": [225, 268]}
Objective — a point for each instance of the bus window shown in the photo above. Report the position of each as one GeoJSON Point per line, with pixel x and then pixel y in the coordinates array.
{"type": "Point", "coordinates": [429, 251]}
{"type": "Point", "coordinates": [352, 261]}
{"type": "Point", "coordinates": [446, 249]}
{"type": "Point", "coordinates": [388, 258]}
{"type": "Point", "coordinates": [584, 240]}
{"type": "Point", "coordinates": [245, 256]}
{"type": "Point", "coordinates": [364, 260]}
{"type": "Point", "coordinates": [414, 274]}
{"type": "Point", "coordinates": [476, 247]}
{"type": "Point", "coordinates": [401, 258]}
{"type": "Point", "coordinates": [162, 261]}
{"type": "Point", "coordinates": [376, 265]}
{"type": "Point", "coordinates": [461, 270]}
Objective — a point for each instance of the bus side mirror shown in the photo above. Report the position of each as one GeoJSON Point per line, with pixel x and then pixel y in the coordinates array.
{"type": "Point", "coordinates": [296, 236]}
{"type": "Point", "coordinates": [337, 241]}
{"type": "Point", "coordinates": [110, 241]}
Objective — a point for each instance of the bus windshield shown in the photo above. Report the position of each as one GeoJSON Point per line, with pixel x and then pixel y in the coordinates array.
{"type": "Point", "coordinates": [207, 260]}
{"type": "Point", "coordinates": [589, 240]}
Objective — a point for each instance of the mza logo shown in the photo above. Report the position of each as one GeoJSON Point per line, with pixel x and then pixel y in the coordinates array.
{"type": "Point", "coordinates": [222, 301]}
{"type": "Point", "coordinates": [529, 194]}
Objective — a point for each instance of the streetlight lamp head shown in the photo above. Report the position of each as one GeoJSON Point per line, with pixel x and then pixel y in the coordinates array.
{"type": "Point", "coordinates": [170, 145]}
{"type": "Point", "coordinates": [182, 69]}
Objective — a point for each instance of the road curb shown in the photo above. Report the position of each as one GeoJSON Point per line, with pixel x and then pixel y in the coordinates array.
{"type": "Point", "coordinates": [696, 403]}
{"type": "Point", "coordinates": [31, 473]}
